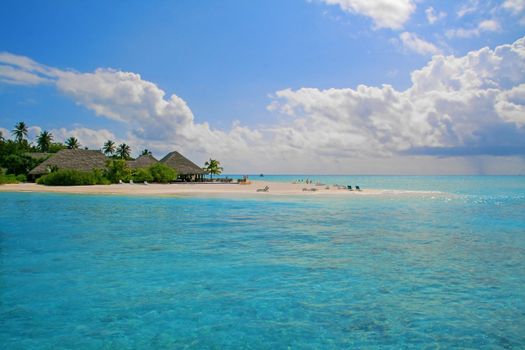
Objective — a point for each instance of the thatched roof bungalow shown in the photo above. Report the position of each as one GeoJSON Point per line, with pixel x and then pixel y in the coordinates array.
{"type": "Point", "coordinates": [75, 159]}
{"type": "Point", "coordinates": [185, 168]}
{"type": "Point", "coordinates": [144, 161]}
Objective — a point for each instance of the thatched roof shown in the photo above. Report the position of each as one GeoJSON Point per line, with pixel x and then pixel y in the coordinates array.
{"type": "Point", "coordinates": [181, 164]}
{"type": "Point", "coordinates": [76, 159]}
{"type": "Point", "coordinates": [143, 161]}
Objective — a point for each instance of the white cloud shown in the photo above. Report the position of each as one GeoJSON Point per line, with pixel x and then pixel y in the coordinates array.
{"type": "Point", "coordinates": [457, 108]}
{"type": "Point", "coordinates": [449, 109]}
{"type": "Point", "coordinates": [489, 25]}
{"type": "Point", "coordinates": [510, 105]}
{"type": "Point", "coordinates": [516, 6]}
{"type": "Point", "coordinates": [5, 133]}
{"type": "Point", "coordinates": [470, 7]}
{"type": "Point", "coordinates": [22, 70]}
{"type": "Point", "coordinates": [484, 26]}
{"type": "Point", "coordinates": [91, 138]}
{"type": "Point", "coordinates": [385, 13]}
{"type": "Point", "coordinates": [414, 43]}
{"type": "Point", "coordinates": [33, 132]}
{"type": "Point", "coordinates": [433, 16]}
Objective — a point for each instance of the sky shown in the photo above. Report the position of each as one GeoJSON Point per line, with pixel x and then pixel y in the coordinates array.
{"type": "Point", "coordinates": [275, 86]}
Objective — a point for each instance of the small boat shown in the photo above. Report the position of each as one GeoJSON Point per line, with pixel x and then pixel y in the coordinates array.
{"type": "Point", "coordinates": [261, 175]}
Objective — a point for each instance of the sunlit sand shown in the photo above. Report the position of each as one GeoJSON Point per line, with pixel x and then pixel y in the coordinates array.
{"type": "Point", "coordinates": [210, 189]}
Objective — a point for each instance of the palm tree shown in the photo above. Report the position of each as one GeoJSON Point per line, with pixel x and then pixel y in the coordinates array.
{"type": "Point", "coordinates": [123, 151]}
{"type": "Point", "coordinates": [145, 152]}
{"type": "Point", "coordinates": [109, 148]}
{"type": "Point", "coordinates": [213, 167]}
{"type": "Point", "coordinates": [1, 136]}
{"type": "Point", "coordinates": [72, 143]}
{"type": "Point", "coordinates": [44, 141]}
{"type": "Point", "coordinates": [20, 131]}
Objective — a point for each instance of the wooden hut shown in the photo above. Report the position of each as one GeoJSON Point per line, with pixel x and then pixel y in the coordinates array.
{"type": "Point", "coordinates": [144, 161]}
{"type": "Point", "coordinates": [185, 168]}
{"type": "Point", "coordinates": [75, 159]}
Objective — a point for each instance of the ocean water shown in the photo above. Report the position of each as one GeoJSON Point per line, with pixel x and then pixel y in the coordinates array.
{"type": "Point", "coordinates": [413, 271]}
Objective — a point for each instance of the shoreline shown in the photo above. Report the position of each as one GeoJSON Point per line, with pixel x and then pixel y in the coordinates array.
{"type": "Point", "coordinates": [211, 190]}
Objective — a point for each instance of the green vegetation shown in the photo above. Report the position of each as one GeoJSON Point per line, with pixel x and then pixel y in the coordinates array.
{"type": "Point", "coordinates": [17, 158]}
{"type": "Point", "coordinates": [123, 151]}
{"type": "Point", "coordinates": [146, 152]}
{"type": "Point", "coordinates": [117, 170]}
{"type": "Point", "coordinates": [142, 174]}
{"type": "Point", "coordinates": [162, 173]}
{"type": "Point", "coordinates": [72, 143]}
{"type": "Point", "coordinates": [16, 154]}
{"type": "Point", "coordinates": [18, 162]}
{"type": "Point", "coordinates": [213, 167]}
{"type": "Point", "coordinates": [67, 177]}
{"type": "Point", "coordinates": [20, 132]}
{"type": "Point", "coordinates": [8, 179]}
{"type": "Point", "coordinates": [44, 141]}
{"type": "Point", "coordinates": [109, 148]}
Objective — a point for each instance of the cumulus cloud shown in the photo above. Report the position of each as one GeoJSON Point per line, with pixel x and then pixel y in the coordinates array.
{"type": "Point", "coordinates": [385, 13]}
{"type": "Point", "coordinates": [470, 106]}
{"type": "Point", "coordinates": [489, 25]}
{"type": "Point", "coordinates": [456, 105]}
{"type": "Point", "coordinates": [413, 42]}
{"type": "Point", "coordinates": [433, 16]}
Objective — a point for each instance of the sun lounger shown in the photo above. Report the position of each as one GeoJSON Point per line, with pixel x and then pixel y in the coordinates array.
{"type": "Point", "coordinates": [349, 188]}
{"type": "Point", "coordinates": [357, 188]}
{"type": "Point", "coordinates": [131, 182]}
{"type": "Point", "coordinates": [265, 189]}
{"type": "Point", "coordinates": [146, 183]}
{"type": "Point", "coordinates": [120, 182]}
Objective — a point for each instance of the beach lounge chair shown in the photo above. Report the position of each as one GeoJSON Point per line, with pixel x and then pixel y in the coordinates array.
{"type": "Point", "coordinates": [120, 182]}
{"type": "Point", "coordinates": [349, 188]}
{"type": "Point", "coordinates": [357, 188]}
{"type": "Point", "coordinates": [146, 183]}
{"type": "Point", "coordinates": [265, 189]}
{"type": "Point", "coordinates": [131, 182]}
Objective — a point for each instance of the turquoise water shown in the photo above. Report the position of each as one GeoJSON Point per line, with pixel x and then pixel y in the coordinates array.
{"type": "Point", "coordinates": [117, 272]}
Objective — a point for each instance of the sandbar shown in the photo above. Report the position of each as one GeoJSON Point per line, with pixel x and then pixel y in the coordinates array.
{"type": "Point", "coordinates": [210, 189]}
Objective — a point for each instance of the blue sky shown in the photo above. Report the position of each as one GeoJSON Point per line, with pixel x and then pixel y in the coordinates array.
{"type": "Point", "coordinates": [275, 81]}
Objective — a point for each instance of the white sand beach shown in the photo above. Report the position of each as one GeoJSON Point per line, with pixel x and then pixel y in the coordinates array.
{"type": "Point", "coordinates": [209, 189]}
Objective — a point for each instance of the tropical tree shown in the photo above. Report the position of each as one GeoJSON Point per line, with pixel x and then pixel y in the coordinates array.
{"type": "Point", "coordinates": [72, 143]}
{"type": "Point", "coordinates": [117, 169]}
{"type": "Point", "coordinates": [19, 132]}
{"type": "Point", "coordinates": [109, 148]}
{"type": "Point", "coordinates": [44, 141]}
{"type": "Point", "coordinates": [1, 136]}
{"type": "Point", "coordinates": [162, 173]}
{"type": "Point", "coordinates": [213, 167]}
{"type": "Point", "coordinates": [145, 152]}
{"type": "Point", "coordinates": [123, 151]}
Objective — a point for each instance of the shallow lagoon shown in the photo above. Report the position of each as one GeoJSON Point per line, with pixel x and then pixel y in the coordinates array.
{"type": "Point", "coordinates": [119, 272]}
